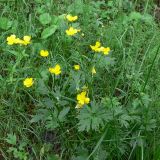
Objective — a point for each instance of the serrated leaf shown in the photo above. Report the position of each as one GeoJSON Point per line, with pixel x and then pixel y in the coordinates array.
{"type": "Point", "coordinates": [42, 88]}
{"type": "Point", "coordinates": [104, 61]}
{"type": "Point", "coordinates": [45, 18]}
{"type": "Point", "coordinates": [22, 145]}
{"type": "Point", "coordinates": [92, 118]}
{"type": "Point", "coordinates": [100, 154]}
{"type": "Point", "coordinates": [5, 23]}
{"type": "Point", "coordinates": [76, 6]}
{"type": "Point", "coordinates": [63, 113]}
{"type": "Point", "coordinates": [11, 139]}
{"type": "Point", "coordinates": [37, 118]}
{"type": "Point", "coordinates": [41, 115]}
{"type": "Point", "coordinates": [124, 120]}
{"type": "Point", "coordinates": [48, 31]}
{"type": "Point", "coordinates": [44, 74]}
{"type": "Point", "coordinates": [49, 103]}
{"type": "Point", "coordinates": [51, 122]}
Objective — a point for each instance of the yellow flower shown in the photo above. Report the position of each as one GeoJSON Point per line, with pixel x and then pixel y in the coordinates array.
{"type": "Point", "coordinates": [77, 67]}
{"type": "Point", "coordinates": [18, 41]}
{"type": "Point", "coordinates": [28, 82]}
{"type": "Point", "coordinates": [82, 99]}
{"type": "Point", "coordinates": [11, 39]}
{"type": "Point", "coordinates": [72, 31]}
{"type": "Point", "coordinates": [26, 40]}
{"type": "Point", "coordinates": [105, 50]}
{"type": "Point", "coordinates": [44, 53]}
{"type": "Point", "coordinates": [93, 70]}
{"type": "Point", "coordinates": [96, 47]}
{"type": "Point", "coordinates": [71, 18]}
{"type": "Point", "coordinates": [55, 70]}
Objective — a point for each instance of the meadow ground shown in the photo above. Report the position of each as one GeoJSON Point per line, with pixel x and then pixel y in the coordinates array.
{"type": "Point", "coordinates": [79, 80]}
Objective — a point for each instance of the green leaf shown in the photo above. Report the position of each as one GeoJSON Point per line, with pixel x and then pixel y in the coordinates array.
{"type": "Point", "coordinates": [100, 154]}
{"type": "Point", "coordinates": [22, 145]}
{"type": "Point", "coordinates": [41, 115]}
{"type": "Point", "coordinates": [11, 139]}
{"type": "Point", "coordinates": [92, 118]}
{"type": "Point", "coordinates": [37, 118]}
{"type": "Point", "coordinates": [57, 20]}
{"type": "Point", "coordinates": [145, 99]}
{"type": "Point", "coordinates": [135, 16]}
{"type": "Point", "coordinates": [5, 23]}
{"type": "Point", "coordinates": [42, 88]}
{"type": "Point", "coordinates": [76, 7]}
{"type": "Point", "coordinates": [141, 17]}
{"type": "Point", "coordinates": [63, 113]}
{"type": "Point", "coordinates": [45, 18]}
{"type": "Point", "coordinates": [17, 54]}
{"type": "Point", "coordinates": [44, 74]}
{"type": "Point", "coordinates": [51, 122]}
{"type": "Point", "coordinates": [103, 61]}
{"type": "Point", "coordinates": [124, 120]}
{"type": "Point", "coordinates": [53, 157]}
{"type": "Point", "coordinates": [47, 102]}
{"type": "Point", "coordinates": [48, 31]}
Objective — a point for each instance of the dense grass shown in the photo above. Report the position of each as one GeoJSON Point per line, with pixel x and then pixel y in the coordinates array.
{"type": "Point", "coordinates": [122, 119]}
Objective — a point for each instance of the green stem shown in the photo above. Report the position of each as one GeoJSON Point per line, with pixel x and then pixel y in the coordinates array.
{"type": "Point", "coordinates": [98, 143]}
{"type": "Point", "coordinates": [145, 10]}
{"type": "Point", "coordinates": [149, 72]}
{"type": "Point", "coordinates": [142, 152]}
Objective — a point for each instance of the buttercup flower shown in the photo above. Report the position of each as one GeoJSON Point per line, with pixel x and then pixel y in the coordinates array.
{"type": "Point", "coordinates": [44, 53]}
{"type": "Point", "coordinates": [26, 40]}
{"type": "Point", "coordinates": [93, 70]}
{"type": "Point", "coordinates": [72, 31]}
{"type": "Point", "coordinates": [19, 41]}
{"type": "Point", "coordinates": [55, 70]}
{"type": "Point", "coordinates": [104, 50]}
{"type": "Point", "coordinates": [96, 47]}
{"type": "Point", "coordinates": [11, 39]}
{"type": "Point", "coordinates": [77, 67]}
{"type": "Point", "coordinates": [28, 82]}
{"type": "Point", "coordinates": [71, 18]}
{"type": "Point", "coordinates": [82, 99]}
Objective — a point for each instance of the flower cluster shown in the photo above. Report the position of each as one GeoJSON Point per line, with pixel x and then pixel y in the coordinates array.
{"type": "Point", "coordinates": [14, 40]}
{"type": "Point", "coordinates": [98, 48]}
{"type": "Point", "coordinates": [82, 97]}
{"type": "Point", "coordinates": [72, 31]}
